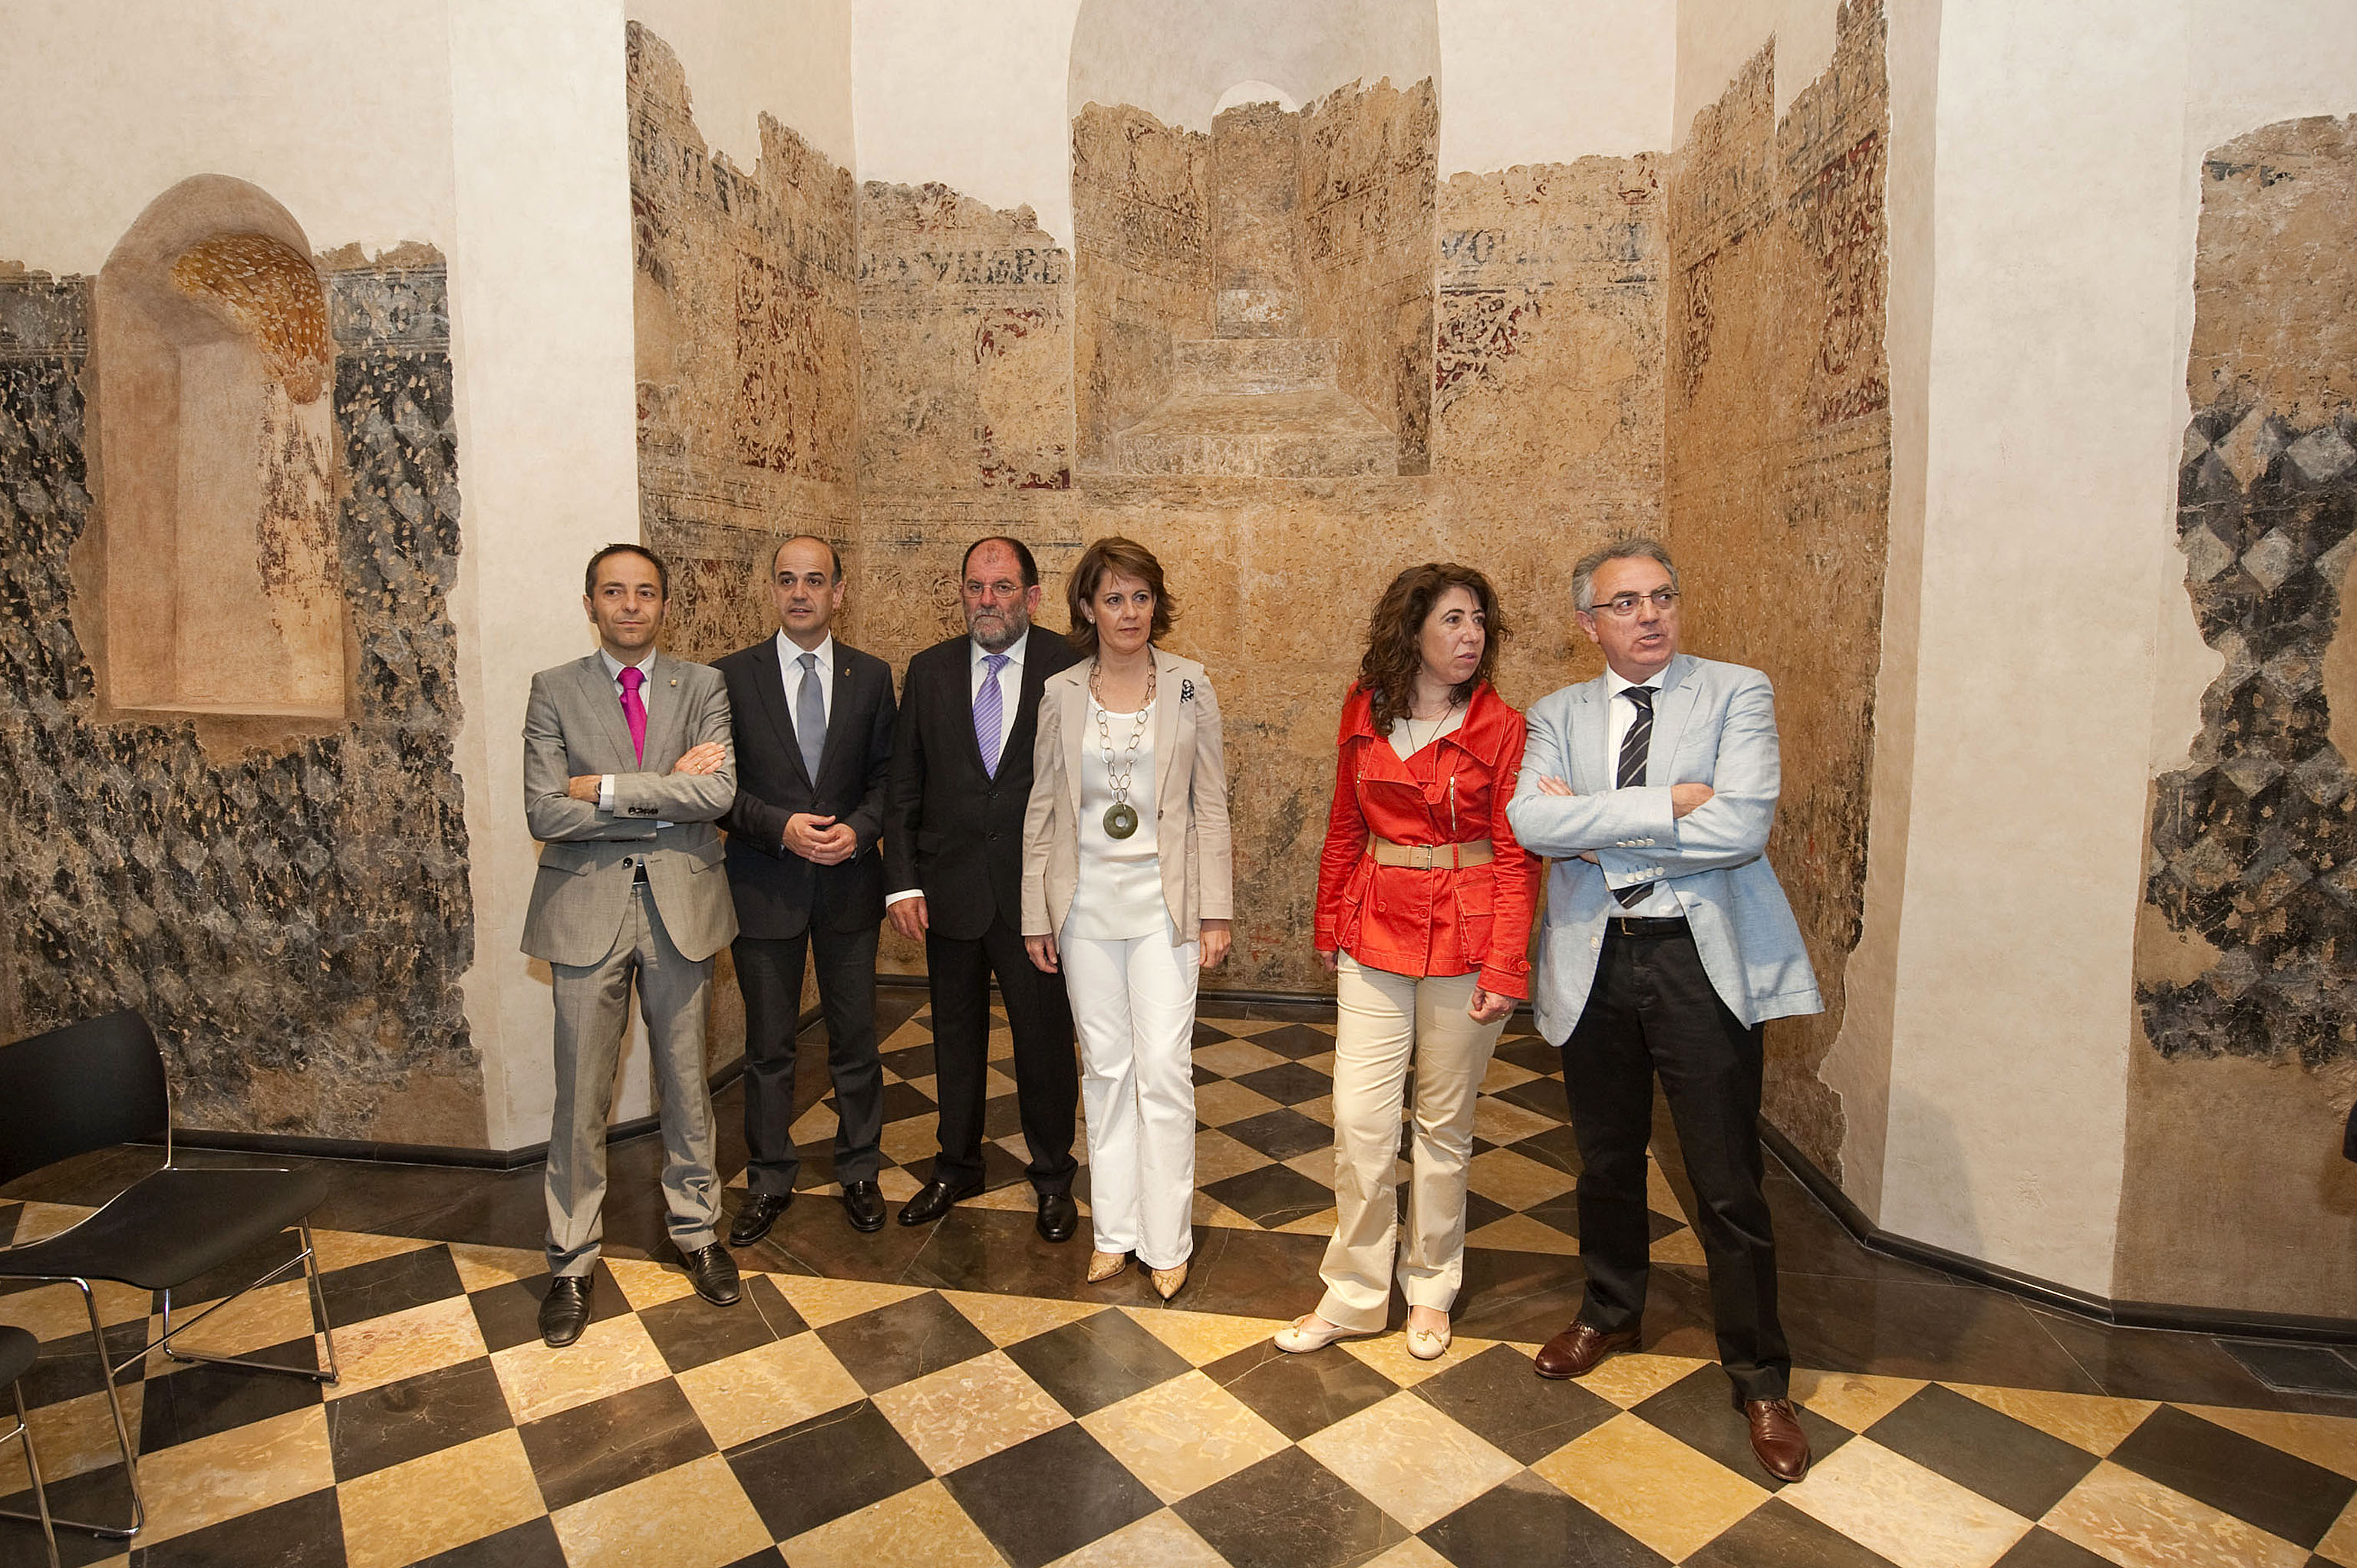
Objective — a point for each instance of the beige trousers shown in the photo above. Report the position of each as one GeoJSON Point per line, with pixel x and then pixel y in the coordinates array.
{"type": "Point", "coordinates": [1385, 1023]}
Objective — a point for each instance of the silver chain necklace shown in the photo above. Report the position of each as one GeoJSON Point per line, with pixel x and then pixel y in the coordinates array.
{"type": "Point", "coordinates": [1121, 817]}
{"type": "Point", "coordinates": [1409, 719]}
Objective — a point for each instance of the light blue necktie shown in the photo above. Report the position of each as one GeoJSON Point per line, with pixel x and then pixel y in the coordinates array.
{"type": "Point", "coordinates": [990, 713]}
{"type": "Point", "coordinates": [810, 718]}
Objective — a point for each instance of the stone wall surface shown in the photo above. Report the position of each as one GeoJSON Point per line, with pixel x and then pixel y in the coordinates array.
{"type": "Point", "coordinates": [2246, 974]}
{"type": "Point", "coordinates": [1777, 469]}
{"type": "Point", "coordinates": [288, 908]}
{"type": "Point", "coordinates": [1142, 221]}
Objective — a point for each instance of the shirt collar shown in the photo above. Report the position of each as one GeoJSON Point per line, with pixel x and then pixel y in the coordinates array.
{"type": "Point", "coordinates": [1614, 685]}
{"type": "Point", "coordinates": [791, 652]}
{"type": "Point", "coordinates": [614, 667]}
{"type": "Point", "coordinates": [1014, 651]}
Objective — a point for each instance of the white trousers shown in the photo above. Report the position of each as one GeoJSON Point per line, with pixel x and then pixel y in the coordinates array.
{"type": "Point", "coordinates": [1384, 1021]}
{"type": "Point", "coordinates": [1133, 1010]}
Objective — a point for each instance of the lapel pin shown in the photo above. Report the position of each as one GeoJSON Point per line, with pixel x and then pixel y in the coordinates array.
{"type": "Point", "coordinates": [675, 682]}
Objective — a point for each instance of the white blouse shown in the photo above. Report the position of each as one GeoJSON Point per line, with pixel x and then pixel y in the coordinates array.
{"type": "Point", "coordinates": [1120, 892]}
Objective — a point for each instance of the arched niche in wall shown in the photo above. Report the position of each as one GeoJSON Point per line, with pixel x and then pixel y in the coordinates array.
{"type": "Point", "coordinates": [215, 371]}
{"type": "Point", "coordinates": [1255, 284]}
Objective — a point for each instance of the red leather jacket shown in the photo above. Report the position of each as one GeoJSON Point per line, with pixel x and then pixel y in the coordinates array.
{"type": "Point", "coordinates": [1445, 920]}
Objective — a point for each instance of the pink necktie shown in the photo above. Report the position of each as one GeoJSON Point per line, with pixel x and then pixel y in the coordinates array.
{"type": "Point", "coordinates": [634, 709]}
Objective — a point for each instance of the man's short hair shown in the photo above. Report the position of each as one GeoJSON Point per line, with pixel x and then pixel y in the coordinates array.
{"type": "Point", "coordinates": [1022, 557]}
{"type": "Point", "coordinates": [834, 556]}
{"type": "Point", "coordinates": [1631, 547]}
{"type": "Point", "coordinates": [589, 577]}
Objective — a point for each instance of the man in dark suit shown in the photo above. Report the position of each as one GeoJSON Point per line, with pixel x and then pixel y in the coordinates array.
{"type": "Point", "coordinates": [960, 779]}
{"type": "Point", "coordinates": [813, 729]}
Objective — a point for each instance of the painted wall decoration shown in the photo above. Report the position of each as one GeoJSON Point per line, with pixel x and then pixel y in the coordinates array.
{"type": "Point", "coordinates": [1777, 471]}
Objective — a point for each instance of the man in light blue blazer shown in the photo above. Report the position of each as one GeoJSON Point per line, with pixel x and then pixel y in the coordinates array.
{"type": "Point", "coordinates": [1667, 945]}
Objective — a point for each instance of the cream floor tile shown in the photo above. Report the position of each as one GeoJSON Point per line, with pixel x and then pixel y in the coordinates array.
{"type": "Point", "coordinates": [923, 1524]}
{"type": "Point", "coordinates": [1247, 1028]}
{"type": "Point", "coordinates": [907, 1036]}
{"type": "Point", "coordinates": [39, 1221]}
{"type": "Point", "coordinates": [905, 1141]}
{"type": "Point", "coordinates": [1015, 1197]}
{"type": "Point", "coordinates": [694, 1516]}
{"type": "Point", "coordinates": [1409, 1553]}
{"type": "Point", "coordinates": [1520, 1233]}
{"type": "Point", "coordinates": [2329, 1441]}
{"type": "Point", "coordinates": [1501, 1121]}
{"type": "Point", "coordinates": [1388, 1353]}
{"type": "Point", "coordinates": [996, 1082]}
{"type": "Point", "coordinates": [969, 1411]}
{"type": "Point", "coordinates": [1322, 1062]}
{"type": "Point", "coordinates": [2092, 1421]}
{"type": "Point", "coordinates": [753, 1392]}
{"type": "Point", "coordinates": [897, 1184]}
{"type": "Point", "coordinates": [1516, 1180]}
{"type": "Point", "coordinates": [1210, 1211]}
{"type": "Point", "coordinates": [1202, 1337]}
{"type": "Point", "coordinates": [1661, 1491]}
{"type": "Point", "coordinates": [1223, 1102]}
{"type": "Point", "coordinates": [1320, 1224]}
{"type": "Point", "coordinates": [1318, 1165]}
{"type": "Point", "coordinates": [2118, 1514]}
{"type": "Point", "coordinates": [242, 1325]}
{"type": "Point", "coordinates": [928, 1086]}
{"type": "Point", "coordinates": [1219, 1156]}
{"type": "Point", "coordinates": [1915, 1517]}
{"type": "Point", "coordinates": [482, 1268]}
{"type": "Point", "coordinates": [76, 1435]}
{"type": "Point", "coordinates": [2340, 1542]}
{"type": "Point", "coordinates": [1318, 1110]}
{"type": "Point", "coordinates": [1234, 1058]}
{"type": "Point", "coordinates": [1161, 1539]}
{"type": "Point", "coordinates": [406, 1513]}
{"type": "Point", "coordinates": [611, 1355]}
{"type": "Point", "coordinates": [1852, 1399]}
{"type": "Point", "coordinates": [60, 1312]}
{"type": "Point", "coordinates": [191, 1485]}
{"type": "Point", "coordinates": [1680, 1246]}
{"type": "Point", "coordinates": [1660, 1196]}
{"type": "Point", "coordinates": [1503, 1075]}
{"type": "Point", "coordinates": [1409, 1459]}
{"type": "Point", "coordinates": [1632, 1379]}
{"type": "Point", "coordinates": [646, 1284]}
{"type": "Point", "coordinates": [1010, 1319]}
{"type": "Point", "coordinates": [821, 1301]}
{"type": "Point", "coordinates": [402, 1344]}
{"type": "Point", "coordinates": [1183, 1435]}
{"type": "Point", "coordinates": [345, 1249]}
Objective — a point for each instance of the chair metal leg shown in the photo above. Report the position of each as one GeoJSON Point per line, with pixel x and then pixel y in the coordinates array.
{"type": "Point", "coordinates": [33, 1469]}
{"type": "Point", "coordinates": [308, 1260]}
{"type": "Point", "coordinates": [122, 1438]}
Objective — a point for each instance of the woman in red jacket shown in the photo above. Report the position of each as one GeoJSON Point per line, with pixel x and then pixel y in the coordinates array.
{"type": "Point", "coordinates": [1424, 913]}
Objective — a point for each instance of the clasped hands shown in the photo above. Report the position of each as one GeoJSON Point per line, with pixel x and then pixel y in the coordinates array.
{"type": "Point", "coordinates": [1216, 936]}
{"type": "Point", "coordinates": [706, 757]}
{"type": "Point", "coordinates": [1683, 798]}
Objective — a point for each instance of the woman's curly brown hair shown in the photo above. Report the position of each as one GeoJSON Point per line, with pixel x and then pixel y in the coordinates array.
{"type": "Point", "coordinates": [1131, 559]}
{"type": "Point", "coordinates": [1396, 631]}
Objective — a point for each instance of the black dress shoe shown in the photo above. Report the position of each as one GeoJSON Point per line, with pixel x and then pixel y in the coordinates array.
{"type": "Point", "coordinates": [862, 1205]}
{"type": "Point", "coordinates": [754, 1218]}
{"type": "Point", "coordinates": [1059, 1216]}
{"type": "Point", "coordinates": [933, 1200]}
{"type": "Point", "coordinates": [565, 1310]}
{"type": "Point", "coordinates": [713, 1273]}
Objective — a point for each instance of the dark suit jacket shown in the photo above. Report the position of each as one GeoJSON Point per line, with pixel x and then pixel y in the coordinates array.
{"type": "Point", "coordinates": [950, 829]}
{"type": "Point", "coordinates": [779, 894]}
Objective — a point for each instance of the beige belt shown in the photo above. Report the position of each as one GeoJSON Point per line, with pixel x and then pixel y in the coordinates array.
{"type": "Point", "coordinates": [1424, 856]}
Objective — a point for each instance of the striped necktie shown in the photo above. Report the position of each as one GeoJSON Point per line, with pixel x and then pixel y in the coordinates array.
{"type": "Point", "coordinates": [1631, 772]}
{"type": "Point", "coordinates": [990, 713]}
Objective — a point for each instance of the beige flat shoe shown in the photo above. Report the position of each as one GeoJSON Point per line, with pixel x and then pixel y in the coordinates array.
{"type": "Point", "coordinates": [1297, 1335]}
{"type": "Point", "coordinates": [1425, 1345]}
{"type": "Point", "coordinates": [1102, 1266]}
{"type": "Point", "coordinates": [1167, 1282]}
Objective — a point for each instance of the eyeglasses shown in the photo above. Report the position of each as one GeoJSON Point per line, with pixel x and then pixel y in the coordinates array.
{"type": "Point", "coordinates": [1625, 604]}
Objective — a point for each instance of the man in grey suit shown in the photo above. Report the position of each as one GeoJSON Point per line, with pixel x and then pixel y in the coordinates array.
{"type": "Point", "coordinates": [1667, 944]}
{"type": "Point", "coordinates": [626, 765]}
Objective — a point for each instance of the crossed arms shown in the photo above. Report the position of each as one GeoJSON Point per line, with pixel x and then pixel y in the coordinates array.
{"type": "Point", "coordinates": [699, 789]}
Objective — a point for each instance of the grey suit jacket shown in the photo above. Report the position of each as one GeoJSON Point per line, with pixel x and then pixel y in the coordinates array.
{"type": "Point", "coordinates": [588, 858]}
{"type": "Point", "coordinates": [1713, 724]}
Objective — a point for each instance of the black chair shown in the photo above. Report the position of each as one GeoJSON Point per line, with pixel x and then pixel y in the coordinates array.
{"type": "Point", "coordinates": [18, 1350]}
{"type": "Point", "coordinates": [99, 1083]}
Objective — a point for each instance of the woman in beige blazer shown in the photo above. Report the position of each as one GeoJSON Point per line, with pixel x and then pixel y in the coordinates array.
{"type": "Point", "coordinates": [1125, 893]}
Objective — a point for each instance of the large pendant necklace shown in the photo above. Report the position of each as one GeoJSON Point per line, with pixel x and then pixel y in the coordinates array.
{"type": "Point", "coordinates": [1121, 817]}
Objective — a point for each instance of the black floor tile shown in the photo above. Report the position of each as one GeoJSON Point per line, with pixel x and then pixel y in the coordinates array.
{"type": "Point", "coordinates": [2295, 1369]}
{"type": "Point", "coordinates": [1281, 1134]}
{"type": "Point", "coordinates": [1272, 1195]}
{"type": "Point", "coordinates": [189, 1402]}
{"type": "Point", "coordinates": [1543, 1096]}
{"type": "Point", "coordinates": [2276, 1491]}
{"type": "Point", "coordinates": [1300, 1394]}
{"type": "Point", "coordinates": [238, 1273]}
{"type": "Point", "coordinates": [1778, 1535]}
{"type": "Point", "coordinates": [902, 1101]}
{"type": "Point", "coordinates": [532, 1544]}
{"type": "Point", "coordinates": [390, 1284]}
{"type": "Point", "coordinates": [892, 1345]}
{"type": "Point", "coordinates": [1289, 1512]}
{"type": "Point", "coordinates": [768, 1557]}
{"type": "Point", "coordinates": [1295, 1041]}
{"type": "Point", "coordinates": [1529, 1053]}
{"type": "Point", "coordinates": [609, 1443]}
{"type": "Point", "coordinates": [763, 1296]}
{"type": "Point", "coordinates": [825, 1467]}
{"type": "Point", "coordinates": [2156, 1364]}
{"type": "Point", "coordinates": [1049, 1495]}
{"type": "Point", "coordinates": [508, 1315]}
{"type": "Point", "coordinates": [69, 1368]}
{"type": "Point", "coordinates": [1498, 1397]}
{"type": "Point", "coordinates": [1252, 1273]}
{"type": "Point", "coordinates": [1097, 1362]}
{"type": "Point", "coordinates": [1699, 1410]}
{"type": "Point", "coordinates": [691, 1331]}
{"type": "Point", "coordinates": [302, 1533]}
{"type": "Point", "coordinates": [1955, 1333]}
{"type": "Point", "coordinates": [1000, 1251]}
{"type": "Point", "coordinates": [1209, 1034]}
{"type": "Point", "coordinates": [100, 1497]}
{"type": "Point", "coordinates": [1525, 1519]}
{"type": "Point", "coordinates": [1556, 1146]}
{"type": "Point", "coordinates": [380, 1427]}
{"type": "Point", "coordinates": [910, 1062]}
{"type": "Point", "coordinates": [2003, 1459]}
{"type": "Point", "coordinates": [2043, 1549]}
{"type": "Point", "coordinates": [1289, 1083]}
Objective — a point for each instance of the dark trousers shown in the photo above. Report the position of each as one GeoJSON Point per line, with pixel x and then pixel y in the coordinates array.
{"type": "Point", "coordinates": [1046, 1073]}
{"type": "Point", "coordinates": [770, 973]}
{"type": "Point", "coordinates": [1654, 1014]}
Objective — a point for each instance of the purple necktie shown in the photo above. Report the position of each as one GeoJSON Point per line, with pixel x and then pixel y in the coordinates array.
{"type": "Point", "coordinates": [634, 709]}
{"type": "Point", "coordinates": [990, 713]}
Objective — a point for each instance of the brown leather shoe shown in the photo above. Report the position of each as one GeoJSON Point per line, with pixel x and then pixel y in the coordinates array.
{"type": "Point", "coordinates": [1777, 1438]}
{"type": "Point", "coordinates": [1576, 1352]}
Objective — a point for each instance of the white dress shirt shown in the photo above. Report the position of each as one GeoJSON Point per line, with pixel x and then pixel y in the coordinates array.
{"type": "Point", "coordinates": [790, 670]}
{"type": "Point", "coordinates": [1659, 902]}
{"type": "Point", "coordinates": [614, 668]}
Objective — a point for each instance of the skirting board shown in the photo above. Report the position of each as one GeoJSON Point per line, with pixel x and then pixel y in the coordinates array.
{"type": "Point", "coordinates": [2215, 1321]}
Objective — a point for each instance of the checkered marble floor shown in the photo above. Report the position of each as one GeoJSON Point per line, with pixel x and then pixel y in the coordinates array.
{"type": "Point", "coordinates": [954, 1394]}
